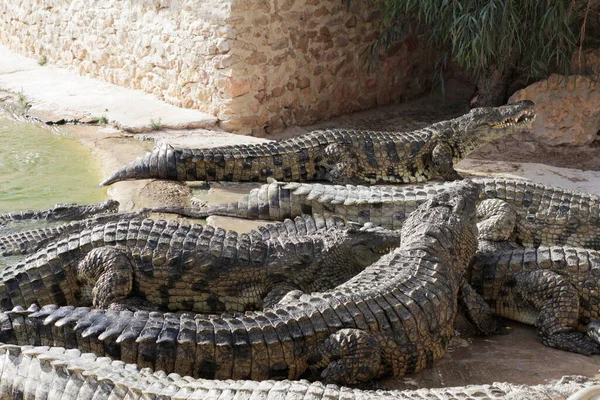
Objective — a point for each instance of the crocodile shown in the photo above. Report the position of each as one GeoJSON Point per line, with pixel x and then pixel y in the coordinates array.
{"type": "Point", "coordinates": [339, 155]}
{"type": "Point", "coordinates": [536, 214]}
{"type": "Point", "coordinates": [30, 241]}
{"type": "Point", "coordinates": [182, 266]}
{"type": "Point", "coordinates": [393, 318]}
{"type": "Point", "coordinates": [61, 212]}
{"type": "Point", "coordinates": [553, 288]}
{"type": "Point", "coordinates": [53, 372]}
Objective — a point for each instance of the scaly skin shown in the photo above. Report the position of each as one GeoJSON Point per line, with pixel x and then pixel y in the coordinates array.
{"type": "Point", "coordinates": [394, 318]}
{"type": "Point", "coordinates": [339, 156]}
{"type": "Point", "coordinates": [39, 373]}
{"type": "Point", "coordinates": [30, 241]}
{"type": "Point", "coordinates": [178, 266]}
{"type": "Point", "coordinates": [61, 212]}
{"type": "Point", "coordinates": [554, 288]}
{"type": "Point", "coordinates": [534, 215]}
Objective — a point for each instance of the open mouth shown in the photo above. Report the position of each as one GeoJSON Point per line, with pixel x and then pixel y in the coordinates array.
{"type": "Point", "coordinates": [384, 250]}
{"type": "Point", "coordinates": [522, 119]}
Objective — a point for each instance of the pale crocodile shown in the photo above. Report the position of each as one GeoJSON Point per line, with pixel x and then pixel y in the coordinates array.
{"type": "Point", "coordinates": [182, 266]}
{"type": "Point", "coordinates": [393, 318]}
{"type": "Point", "coordinates": [536, 214]}
{"type": "Point", "coordinates": [40, 373]}
{"type": "Point", "coordinates": [339, 156]}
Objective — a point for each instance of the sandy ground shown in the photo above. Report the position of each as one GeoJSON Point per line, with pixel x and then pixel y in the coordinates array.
{"type": "Point", "coordinates": [516, 357]}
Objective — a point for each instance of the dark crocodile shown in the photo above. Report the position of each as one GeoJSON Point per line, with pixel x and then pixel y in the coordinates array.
{"type": "Point", "coordinates": [61, 212]}
{"type": "Point", "coordinates": [41, 373]}
{"type": "Point", "coordinates": [182, 266]}
{"type": "Point", "coordinates": [554, 288]}
{"type": "Point", "coordinates": [531, 213]}
{"type": "Point", "coordinates": [395, 317]}
{"type": "Point", "coordinates": [339, 156]}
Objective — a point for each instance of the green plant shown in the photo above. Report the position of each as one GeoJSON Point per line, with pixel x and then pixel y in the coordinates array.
{"type": "Point", "coordinates": [103, 120]}
{"type": "Point", "coordinates": [22, 99]}
{"type": "Point", "coordinates": [42, 60]}
{"type": "Point", "coordinates": [156, 125]}
{"type": "Point", "coordinates": [495, 39]}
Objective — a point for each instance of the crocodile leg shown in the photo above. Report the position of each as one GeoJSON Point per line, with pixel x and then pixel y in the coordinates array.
{"type": "Point", "coordinates": [278, 292]}
{"type": "Point", "coordinates": [477, 310]}
{"type": "Point", "coordinates": [351, 356]}
{"type": "Point", "coordinates": [340, 159]}
{"type": "Point", "coordinates": [109, 274]}
{"type": "Point", "coordinates": [441, 158]}
{"type": "Point", "coordinates": [557, 304]}
{"type": "Point", "coordinates": [497, 220]}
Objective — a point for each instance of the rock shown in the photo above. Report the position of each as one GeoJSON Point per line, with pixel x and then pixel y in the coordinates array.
{"type": "Point", "coordinates": [586, 63]}
{"type": "Point", "coordinates": [567, 108]}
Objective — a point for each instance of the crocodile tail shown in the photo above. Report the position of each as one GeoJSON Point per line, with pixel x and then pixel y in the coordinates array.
{"type": "Point", "coordinates": [27, 242]}
{"type": "Point", "coordinates": [274, 201]}
{"type": "Point", "coordinates": [287, 160]}
{"type": "Point", "coordinates": [159, 163]}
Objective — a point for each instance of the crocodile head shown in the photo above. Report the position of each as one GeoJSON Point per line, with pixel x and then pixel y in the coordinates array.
{"type": "Point", "coordinates": [446, 223]}
{"type": "Point", "coordinates": [70, 211]}
{"type": "Point", "coordinates": [482, 125]}
{"type": "Point", "coordinates": [368, 243]}
{"type": "Point", "coordinates": [347, 251]}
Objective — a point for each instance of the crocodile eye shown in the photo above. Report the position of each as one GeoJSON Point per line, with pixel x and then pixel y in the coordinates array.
{"type": "Point", "coordinates": [365, 255]}
{"type": "Point", "coordinates": [361, 248]}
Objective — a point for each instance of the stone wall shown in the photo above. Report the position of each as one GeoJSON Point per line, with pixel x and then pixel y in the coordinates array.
{"type": "Point", "coordinates": [258, 65]}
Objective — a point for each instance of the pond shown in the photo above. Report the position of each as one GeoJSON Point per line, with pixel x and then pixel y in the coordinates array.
{"type": "Point", "coordinates": [40, 167]}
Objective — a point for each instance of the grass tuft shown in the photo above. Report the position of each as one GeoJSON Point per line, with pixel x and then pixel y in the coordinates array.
{"type": "Point", "coordinates": [22, 99]}
{"type": "Point", "coordinates": [156, 125]}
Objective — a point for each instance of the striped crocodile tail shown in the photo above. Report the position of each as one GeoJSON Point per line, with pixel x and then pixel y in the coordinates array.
{"type": "Point", "coordinates": [241, 163]}
{"type": "Point", "coordinates": [274, 201]}
{"type": "Point", "coordinates": [159, 163]}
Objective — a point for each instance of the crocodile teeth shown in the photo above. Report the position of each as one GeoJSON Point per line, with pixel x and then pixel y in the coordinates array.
{"type": "Point", "coordinates": [510, 121]}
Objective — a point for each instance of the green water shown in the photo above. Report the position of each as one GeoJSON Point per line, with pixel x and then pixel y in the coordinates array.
{"type": "Point", "coordinates": [40, 168]}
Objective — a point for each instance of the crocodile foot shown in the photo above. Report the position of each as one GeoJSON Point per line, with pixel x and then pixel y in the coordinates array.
{"type": "Point", "coordinates": [279, 292]}
{"type": "Point", "coordinates": [349, 357]}
{"type": "Point", "coordinates": [497, 220]}
{"type": "Point", "coordinates": [576, 342]}
{"type": "Point", "coordinates": [132, 304]}
{"type": "Point", "coordinates": [593, 330]}
{"type": "Point", "coordinates": [106, 275]}
{"type": "Point", "coordinates": [478, 312]}
{"type": "Point", "coordinates": [441, 159]}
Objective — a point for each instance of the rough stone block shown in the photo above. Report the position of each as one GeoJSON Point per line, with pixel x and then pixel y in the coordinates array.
{"type": "Point", "coordinates": [567, 109]}
{"type": "Point", "coordinates": [203, 54]}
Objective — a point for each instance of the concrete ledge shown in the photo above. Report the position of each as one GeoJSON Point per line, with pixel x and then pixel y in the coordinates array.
{"type": "Point", "coordinates": [67, 95]}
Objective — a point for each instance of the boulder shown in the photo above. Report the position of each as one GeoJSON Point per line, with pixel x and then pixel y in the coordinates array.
{"type": "Point", "coordinates": [567, 108]}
